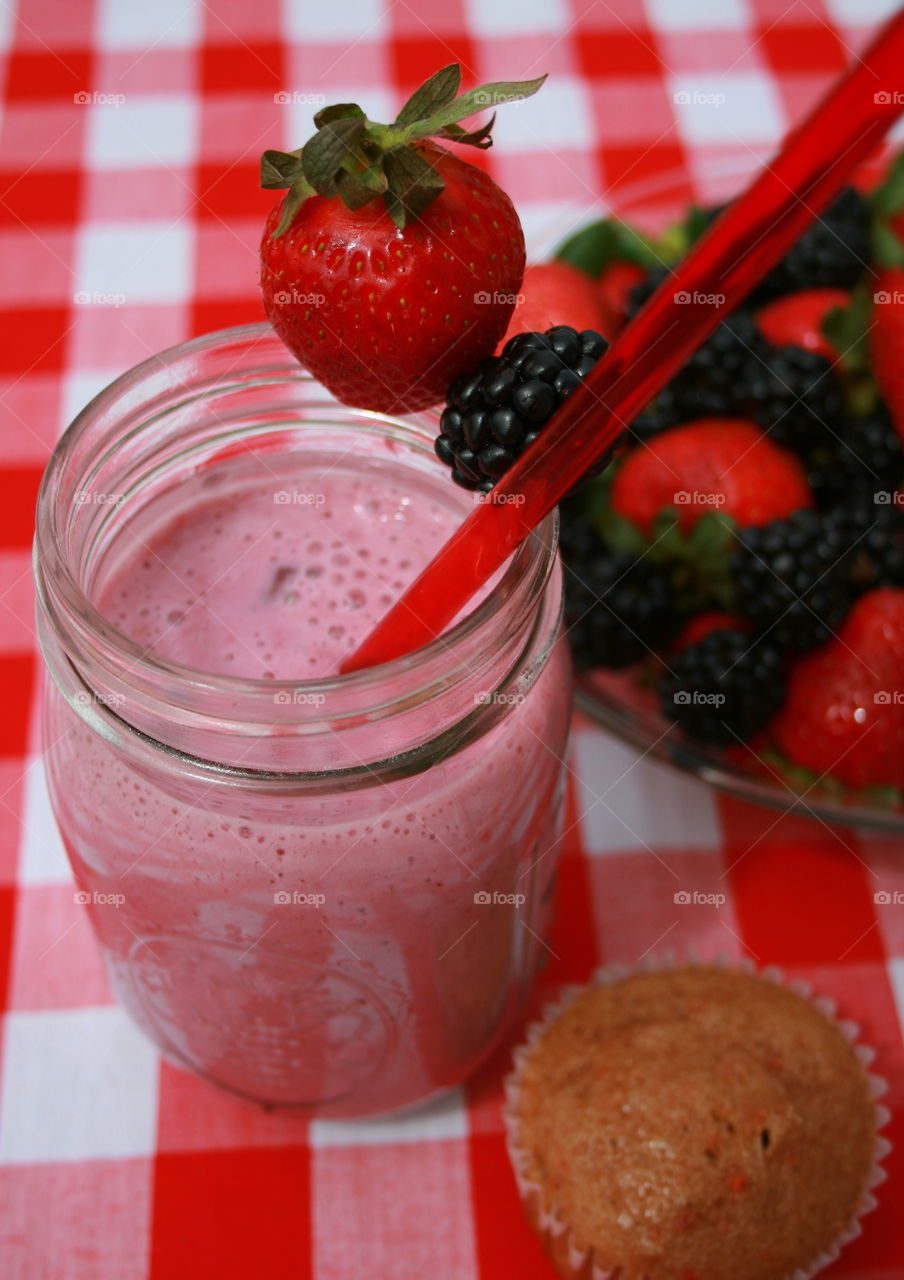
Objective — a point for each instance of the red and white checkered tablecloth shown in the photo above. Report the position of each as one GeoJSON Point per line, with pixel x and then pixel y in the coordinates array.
{"type": "Point", "coordinates": [130, 219]}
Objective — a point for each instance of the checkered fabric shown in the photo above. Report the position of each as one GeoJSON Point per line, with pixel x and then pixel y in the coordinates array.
{"type": "Point", "coordinates": [129, 221]}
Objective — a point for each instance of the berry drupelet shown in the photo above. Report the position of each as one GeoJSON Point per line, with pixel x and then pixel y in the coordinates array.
{"type": "Point", "coordinates": [792, 578]}
{"type": "Point", "coordinates": [834, 251]}
{"type": "Point", "coordinates": [862, 456]}
{"type": "Point", "coordinates": [618, 609]}
{"type": "Point", "coordinates": [724, 688]}
{"type": "Point", "coordinates": [792, 394]}
{"type": "Point", "coordinates": [497, 411]}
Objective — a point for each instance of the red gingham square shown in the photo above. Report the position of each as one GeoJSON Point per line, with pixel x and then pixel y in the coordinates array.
{"type": "Point", "coordinates": [37, 342]}
{"type": "Point", "coordinates": [620, 53]}
{"type": "Point", "coordinates": [35, 197]}
{"type": "Point", "coordinates": [230, 191]}
{"type": "Point", "coordinates": [44, 75]}
{"type": "Point", "coordinates": [256, 67]}
{"type": "Point", "coordinates": [240, 1212]}
{"type": "Point", "coordinates": [411, 53]}
{"type": "Point", "coordinates": [812, 47]}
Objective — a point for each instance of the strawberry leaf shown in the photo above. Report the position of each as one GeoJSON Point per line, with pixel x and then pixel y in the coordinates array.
{"type": "Point", "coordinates": [888, 198]}
{"type": "Point", "coordinates": [479, 137]}
{"type": "Point", "coordinates": [326, 152]}
{"type": "Point", "coordinates": [886, 245]}
{"type": "Point", "coordinates": [357, 159]}
{"type": "Point", "coordinates": [413, 184]}
{"type": "Point", "coordinates": [432, 96]}
{"type": "Point", "coordinates": [594, 247]}
{"type": "Point", "coordinates": [475, 100]}
{"type": "Point", "coordinates": [847, 328]}
{"type": "Point", "coordinates": [621, 534]}
{"type": "Point", "coordinates": [280, 169]}
{"type": "Point", "coordinates": [355, 192]}
{"type": "Point", "coordinates": [294, 199]}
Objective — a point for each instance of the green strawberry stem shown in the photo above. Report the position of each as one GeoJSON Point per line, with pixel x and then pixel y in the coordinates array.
{"type": "Point", "coordinates": [359, 160]}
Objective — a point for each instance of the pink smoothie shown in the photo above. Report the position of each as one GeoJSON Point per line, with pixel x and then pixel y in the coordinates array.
{"type": "Point", "coordinates": [349, 951]}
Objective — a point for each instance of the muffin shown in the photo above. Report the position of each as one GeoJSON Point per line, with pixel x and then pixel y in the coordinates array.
{"type": "Point", "coordinates": [698, 1123]}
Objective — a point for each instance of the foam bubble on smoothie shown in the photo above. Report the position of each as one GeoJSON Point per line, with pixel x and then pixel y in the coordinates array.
{"type": "Point", "coordinates": [251, 586]}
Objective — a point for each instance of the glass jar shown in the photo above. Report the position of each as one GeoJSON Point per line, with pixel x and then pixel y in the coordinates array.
{"type": "Point", "coordinates": [328, 894]}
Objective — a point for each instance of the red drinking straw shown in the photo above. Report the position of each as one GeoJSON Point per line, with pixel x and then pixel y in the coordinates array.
{"type": "Point", "coordinates": [717, 274]}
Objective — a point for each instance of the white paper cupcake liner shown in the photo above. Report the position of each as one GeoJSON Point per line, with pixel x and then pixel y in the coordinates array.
{"type": "Point", "coordinates": [577, 1263]}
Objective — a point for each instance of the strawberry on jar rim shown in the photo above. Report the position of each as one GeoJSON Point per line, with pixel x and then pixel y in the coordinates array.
{"type": "Point", "coordinates": [391, 265]}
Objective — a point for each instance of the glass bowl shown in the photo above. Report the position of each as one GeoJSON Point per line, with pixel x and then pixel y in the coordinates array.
{"type": "Point", "coordinates": [619, 701]}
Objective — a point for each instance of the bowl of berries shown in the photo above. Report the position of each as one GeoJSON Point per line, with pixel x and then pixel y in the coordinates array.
{"type": "Point", "coordinates": [735, 576]}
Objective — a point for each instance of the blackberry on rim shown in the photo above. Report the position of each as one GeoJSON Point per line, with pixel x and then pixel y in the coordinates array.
{"type": "Point", "coordinates": [496, 412]}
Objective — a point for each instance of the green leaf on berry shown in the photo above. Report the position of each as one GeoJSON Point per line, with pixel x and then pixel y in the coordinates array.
{"type": "Point", "coordinates": [621, 534]}
{"type": "Point", "coordinates": [674, 242]}
{"type": "Point", "coordinates": [359, 160]}
{"type": "Point", "coordinates": [435, 93]}
{"type": "Point", "coordinates": [327, 151]}
{"type": "Point", "coordinates": [472, 102]}
{"type": "Point", "coordinates": [354, 190]}
{"type": "Point", "coordinates": [338, 111]}
{"type": "Point", "coordinates": [847, 328]}
{"type": "Point", "coordinates": [888, 197]}
{"type": "Point", "coordinates": [280, 169]}
{"type": "Point", "coordinates": [594, 247]}
{"type": "Point", "coordinates": [413, 183]}
{"type": "Point", "coordinates": [294, 199]}
{"type": "Point", "coordinates": [887, 249]}
{"type": "Point", "coordinates": [479, 137]}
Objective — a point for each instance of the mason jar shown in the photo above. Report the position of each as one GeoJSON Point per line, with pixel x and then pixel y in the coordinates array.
{"type": "Point", "coordinates": [330, 893]}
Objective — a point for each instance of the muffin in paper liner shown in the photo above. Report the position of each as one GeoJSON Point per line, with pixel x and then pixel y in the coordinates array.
{"type": "Point", "coordinates": [574, 1262]}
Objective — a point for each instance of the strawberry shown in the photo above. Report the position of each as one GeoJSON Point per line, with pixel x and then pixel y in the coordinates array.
{"type": "Point", "coordinates": [796, 320]}
{"type": "Point", "coordinates": [614, 292]}
{"type": "Point", "coordinates": [555, 293]}
{"type": "Point", "coordinates": [844, 712]}
{"type": "Point", "coordinates": [887, 341]}
{"type": "Point", "coordinates": [391, 266]}
{"type": "Point", "coordinates": [714, 464]}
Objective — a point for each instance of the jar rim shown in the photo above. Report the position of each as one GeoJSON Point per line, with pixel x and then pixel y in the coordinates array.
{"type": "Point", "coordinates": [527, 570]}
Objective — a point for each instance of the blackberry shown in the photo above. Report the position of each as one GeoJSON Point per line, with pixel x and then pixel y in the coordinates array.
{"type": "Point", "coordinates": [792, 578]}
{"type": "Point", "coordinates": [792, 394]}
{"type": "Point", "coordinates": [617, 607]}
{"type": "Point", "coordinates": [725, 687]}
{"type": "Point", "coordinates": [496, 411]}
{"type": "Point", "coordinates": [861, 457]}
{"type": "Point", "coordinates": [876, 534]}
{"type": "Point", "coordinates": [833, 252]}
